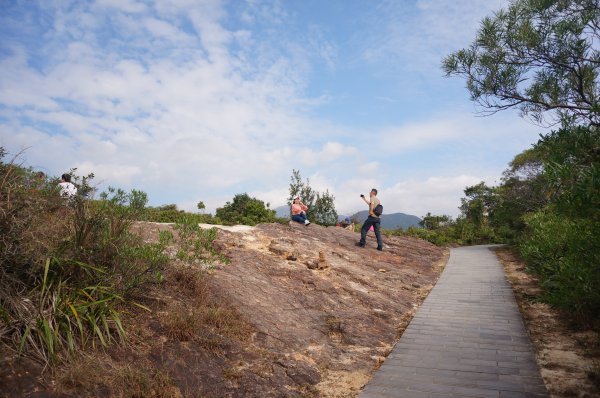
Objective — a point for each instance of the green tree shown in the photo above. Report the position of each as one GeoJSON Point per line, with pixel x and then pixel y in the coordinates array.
{"type": "Point", "coordinates": [432, 222]}
{"type": "Point", "coordinates": [572, 170]}
{"type": "Point", "coordinates": [524, 189]}
{"type": "Point", "coordinates": [321, 207]}
{"type": "Point", "coordinates": [477, 204]}
{"type": "Point", "coordinates": [201, 205]}
{"type": "Point", "coordinates": [324, 209]}
{"type": "Point", "coordinates": [245, 210]}
{"type": "Point", "coordinates": [537, 56]}
{"type": "Point", "coordinates": [304, 191]}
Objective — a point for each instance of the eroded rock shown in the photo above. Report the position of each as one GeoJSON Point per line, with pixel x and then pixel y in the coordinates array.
{"type": "Point", "coordinates": [315, 296]}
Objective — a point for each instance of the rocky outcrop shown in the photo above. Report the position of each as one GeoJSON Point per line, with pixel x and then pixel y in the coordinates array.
{"type": "Point", "coordinates": [297, 312]}
{"type": "Point", "coordinates": [330, 310]}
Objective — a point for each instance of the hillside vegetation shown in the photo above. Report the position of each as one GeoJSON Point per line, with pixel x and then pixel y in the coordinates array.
{"type": "Point", "coordinates": [111, 306]}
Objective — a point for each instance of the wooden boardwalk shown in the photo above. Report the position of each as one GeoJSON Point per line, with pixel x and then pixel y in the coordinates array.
{"type": "Point", "coordinates": [466, 340]}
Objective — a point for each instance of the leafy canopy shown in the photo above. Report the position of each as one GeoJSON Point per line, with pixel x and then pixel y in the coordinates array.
{"type": "Point", "coordinates": [536, 56]}
{"type": "Point", "coordinates": [245, 210]}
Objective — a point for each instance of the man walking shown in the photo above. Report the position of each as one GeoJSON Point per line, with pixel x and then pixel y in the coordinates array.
{"type": "Point", "coordinates": [372, 220]}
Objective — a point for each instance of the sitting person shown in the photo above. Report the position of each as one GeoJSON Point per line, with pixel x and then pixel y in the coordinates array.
{"type": "Point", "coordinates": [299, 211]}
{"type": "Point", "coordinates": [347, 224]}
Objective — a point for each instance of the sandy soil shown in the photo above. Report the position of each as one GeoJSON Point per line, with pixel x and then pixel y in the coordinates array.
{"type": "Point", "coordinates": [568, 355]}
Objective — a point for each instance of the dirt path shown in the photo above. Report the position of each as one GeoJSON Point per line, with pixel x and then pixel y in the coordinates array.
{"type": "Point", "coordinates": [568, 355]}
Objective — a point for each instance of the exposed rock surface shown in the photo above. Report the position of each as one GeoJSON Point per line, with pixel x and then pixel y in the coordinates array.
{"type": "Point", "coordinates": [331, 309]}
{"type": "Point", "coordinates": [314, 315]}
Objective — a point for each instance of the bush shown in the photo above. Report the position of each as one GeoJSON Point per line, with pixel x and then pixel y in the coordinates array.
{"type": "Point", "coordinates": [437, 237]}
{"type": "Point", "coordinates": [565, 254]}
{"type": "Point", "coordinates": [66, 271]}
{"type": "Point", "coordinates": [196, 244]}
{"type": "Point", "coordinates": [170, 214]}
{"type": "Point", "coordinates": [245, 210]}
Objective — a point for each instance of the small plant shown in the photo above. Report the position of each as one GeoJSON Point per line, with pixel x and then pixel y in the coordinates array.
{"type": "Point", "coordinates": [335, 328]}
{"type": "Point", "coordinates": [196, 244]}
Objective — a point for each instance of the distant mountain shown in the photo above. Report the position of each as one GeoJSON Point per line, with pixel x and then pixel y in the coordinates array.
{"type": "Point", "coordinates": [388, 221]}
{"type": "Point", "coordinates": [391, 221]}
{"type": "Point", "coordinates": [282, 211]}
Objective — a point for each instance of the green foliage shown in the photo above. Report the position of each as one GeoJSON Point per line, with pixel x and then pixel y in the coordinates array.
{"type": "Point", "coordinates": [196, 244]}
{"type": "Point", "coordinates": [324, 209]}
{"type": "Point", "coordinates": [201, 205]}
{"type": "Point", "coordinates": [542, 56]}
{"type": "Point", "coordinates": [476, 205]}
{"type": "Point", "coordinates": [565, 253]}
{"type": "Point", "coordinates": [321, 206]}
{"type": "Point", "coordinates": [170, 214]}
{"type": "Point", "coordinates": [245, 210]}
{"type": "Point", "coordinates": [443, 231]}
{"type": "Point", "coordinates": [561, 243]}
{"type": "Point", "coordinates": [537, 56]}
{"type": "Point", "coordinates": [68, 267]}
{"type": "Point", "coordinates": [432, 222]}
{"type": "Point", "coordinates": [572, 164]}
{"type": "Point", "coordinates": [437, 237]}
{"type": "Point", "coordinates": [524, 189]}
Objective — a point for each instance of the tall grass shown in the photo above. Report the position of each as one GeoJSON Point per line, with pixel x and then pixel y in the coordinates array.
{"type": "Point", "coordinates": [68, 268]}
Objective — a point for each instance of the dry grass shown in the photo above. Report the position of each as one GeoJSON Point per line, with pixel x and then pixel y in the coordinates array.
{"type": "Point", "coordinates": [46, 233]}
{"type": "Point", "coordinates": [335, 328]}
{"type": "Point", "coordinates": [199, 315]}
{"type": "Point", "coordinates": [181, 323]}
{"type": "Point", "coordinates": [226, 321]}
{"type": "Point", "coordinates": [96, 375]}
{"type": "Point", "coordinates": [190, 278]}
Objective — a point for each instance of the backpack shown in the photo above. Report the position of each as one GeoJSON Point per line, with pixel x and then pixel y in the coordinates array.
{"type": "Point", "coordinates": [378, 210]}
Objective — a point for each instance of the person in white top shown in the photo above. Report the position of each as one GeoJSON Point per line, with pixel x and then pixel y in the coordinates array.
{"type": "Point", "coordinates": [67, 189]}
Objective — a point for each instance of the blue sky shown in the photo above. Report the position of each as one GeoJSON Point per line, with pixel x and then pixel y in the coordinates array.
{"type": "Point", "coordinates": [194, 100]}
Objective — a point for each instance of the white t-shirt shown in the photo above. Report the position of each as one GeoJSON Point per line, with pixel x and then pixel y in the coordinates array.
{"type": "Point", "coordinates": [374, 203]}
{"type": "Point", "coordinates": [67, 189]}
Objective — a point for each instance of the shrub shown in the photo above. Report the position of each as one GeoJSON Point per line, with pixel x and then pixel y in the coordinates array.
{"type": "Point", "coordinates": [565, 253]}
{"type": "Point", "coordinates": [438, 237]}
{"type": "Point", "coordinates": [245, 210]}
{"type": "Point", "coordinates": [170, 214]}
{"type": "Point", "coordinates": [66, 271]}
{"type": "Point", "coordinates": [196, 244]}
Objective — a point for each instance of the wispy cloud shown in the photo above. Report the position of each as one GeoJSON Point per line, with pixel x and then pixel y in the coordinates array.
{"type": "Point", "coordinates": [193, 100]}
{"type": "Point", "coordinates": [412, 39]}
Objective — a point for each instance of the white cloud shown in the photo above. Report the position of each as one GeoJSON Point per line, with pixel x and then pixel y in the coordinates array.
{"type": "Point", "coordinates": [369, 168]}
{"type": "Point", "coordinates": [419, 35]}
{"type": "Point", "coordinates": [438, 195]}
{"type": "Point", "coordinates": [419, 135]}
{"type": "Point", "coordinates": [177, 100]}
{"type": "Point", "coordinates": [123, 5]}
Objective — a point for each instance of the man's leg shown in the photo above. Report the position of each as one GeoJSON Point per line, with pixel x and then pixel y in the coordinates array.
{"type": "Point", "coordinates": [377, 227]}
{"type": "Point", "coordinates": [363, 231]}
